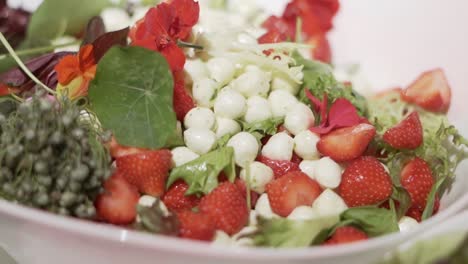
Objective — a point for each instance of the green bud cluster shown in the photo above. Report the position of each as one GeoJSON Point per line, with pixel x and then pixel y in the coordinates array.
{"type": "Point", "coordinates": [52, 158]}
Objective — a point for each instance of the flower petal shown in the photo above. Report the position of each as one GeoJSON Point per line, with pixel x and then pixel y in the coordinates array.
{"type": "Point", "coordinates": [175, 56]}
{"type": "Point", "coordinates": [67, 69]}
{"type": "Point", "coordinates": [186, 16]}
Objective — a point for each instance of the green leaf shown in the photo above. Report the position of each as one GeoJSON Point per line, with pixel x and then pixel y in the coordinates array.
{"type": "Point", "coordinates": [372, 220]}
{"type": "Point", "coordinates": [265, 127]}
{"type": "Point", "coordinates": [132, 96]}
{"type": "Point", "coordinates": [285, 233]}
{"type": "Point", "coordinates": [222, 141]}
{"type": "Point", "coordinates": [401, 195]}
{"type": "Point", "coordinates": [429, 209]}
{"type": "Point", "coordinates": [55, 18]}
{"type": "Point", "coordinates": [154, 220]}
{"type": "Point", "coordinates": [202, 173]}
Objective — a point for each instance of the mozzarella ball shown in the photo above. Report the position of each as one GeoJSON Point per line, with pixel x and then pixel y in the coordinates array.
{"type": "Point", "coordinates": [279, 147]}
{"type": "Point", "coordinates": [226, 126]}
{"type": "Point", "coordinates": [308, 167]}
{"type": "Point", "coordinates": [328, 173]}
{"type": "Point", "coordinates": [407, 223]}
{"type": "Point", "coordinates": [281, 102]}
{"type": "Point", "coordinates": [199, 140]}
{"type": "Point", "coordinates": [252, 67]}
{"type": "Point", "coordinates": [253, 218]}
{"type": "Point", "coordinates": [303, 213]}
{"type": "Point", "coordinates": [245, 148]}
{"type": "Point", "coordinates": [253, 82]}
{"type": "Point", "coordinates": [258, 109]}
{"type": "Point", "coordinates": [329, 203]}
{"type": "Point", "coordinates": [263, 208]}
{"type": "Point", "coordinates": [148, 201]}
{"type": "Point", "coordinates": [221, 70]}
{"type": "Point", "coordinates": [115, 18]}
{"type": "Point", "coordinates": [260, 175]}
{"type": "Point", "coordinates": [305, 145]}
{"type": "Point", "coordinates": [203, 91]}
{"type": "Point", "coordinates": [196, 70]}
{"type": "Point", "coordinates": [200, 117]}
{"type": "Point", "coordinates": [299, 118]}
{"type": "Point", "coordinates": [230, 104]}
{"type": "Point", "coordinates": [280, 83]}
{"type": "Point", "coordinates": [182, 155]}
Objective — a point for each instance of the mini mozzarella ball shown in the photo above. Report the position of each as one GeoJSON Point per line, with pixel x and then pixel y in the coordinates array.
{"type": "Point", "coordinates": [230, 104]}
{"type": "Point", "coordinates": [148, 201]}
{"type": "Point", "coordinates": [263, 208]}
{"type": "Point", "coordinates": [305, 145]}
{"type": "Point", "coordinates": [253, 82]}
{"type": "Point", "coordinates": [245, 147]}
{"type": "Point", "coordinates": [253, 218]}
{"type": "Point", "coordinates": [258, 109]}
{"type": "Point", "coordinates": [226, 126]}
{"type": "Point", "coordinates": [280, 83]}
{"type": "Point", "coordinates": [308, 167]}
{"type": "Point", "coordinates": [279, 147]}
{"type": "Point", "coordinates": [260, 175]}
{"type": "Point", "coordinates": [281, 102]}
{"type": "Point", "coordinates": [303, 213]}
{"type": "Point", "coordinates": [115, 18]}
{"type": "Point", "coordinates": [221, 69]}
{"type": "Point", "coordinates": [299, 118]}
{"type": "Point", "coordinates": [203, 91]}
{"type": "Point", "coordinates": [200, 117]}
{"type": "Point", "coordinates": [329, 203]}
{"type": "Point", "coordinates": [196, 70]}
{"type": "Point", "coordinates": [328, 173]}
{"type": "Point", "coordinates": [182, 155]}
{"type": "Point", "coordinates": [199, 140]}
{"type": "Point", "coordinates": [407, 223]}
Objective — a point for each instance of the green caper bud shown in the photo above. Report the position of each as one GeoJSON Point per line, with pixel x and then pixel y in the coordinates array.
{"type": "Point", "coordinates": [41, 199]}
{"type": "Point", "coordinates": [63, 211]}
{"type": "Point", "coordinates": [41, 166]}
{"type": "Point", "coordinates": [61, 183]}
{"type": "Point", "coordinates": [29, 134]}
{"type": "Point", "coordinates": [43, 180]}
{"type": "Point", "coordinates": [78, 133]}
{"type": "Point", "coordinates": [6, 174]}
{"type": "Point", "coordinates": [74, 186]}
{"type": "Point", "coordinates": [45, 105]}
{"type": "Point", "coordinates": [56, 138]}
{"type": "Point", "coordinates": [80, 173]}
{"type": "Point", "coordinates": [67, 199]}
{"type": "Point", "coordinates": [8, 189]}
{"type": "Point", "coordinates": [67, 120]}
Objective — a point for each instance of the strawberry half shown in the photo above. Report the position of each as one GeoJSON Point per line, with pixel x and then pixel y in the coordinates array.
{"type": "Point", "coordinates": [408, 134]}
{"type": "Point", "coordinates": [430, 91]}
{"type": "Point", "coordinates": [176, 200]}
{"type": "Point", "coordinates": [347, 143]}
{"type": "Point", "coordinates": [117, 204]}
{"type": "Point", "coordinates": [227, 208]}
{"type": "Point", "coordinates": [290, 191]}
{"type": "Point", "coordinates": [346, 234]}
{"type": "Point", "coordinates": [279, 167]}
{"type": "Point", "coordinates": [416, 177]}
{"type": "Point", "coordinates": [182, 100]}
{"type": "Point", "coordinates": [117, 150]}
{"type": "Point", "coordinates": [365, 182]}
{"type": "Point", "coordinates": [147, 170]}
{"type": "Point", "coordinates": [194, 225]}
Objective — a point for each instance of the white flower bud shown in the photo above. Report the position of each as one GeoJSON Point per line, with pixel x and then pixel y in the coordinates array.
{"type": "Point", "coordinates": [407, 223]}
{"type": "Point", "coordinates": [281, 102]}
{"type": "Point", "coordinates": [329, 203]}
{"type": "Point", "coordinates": [258, 109]}
{"type": "Point", "coordinates": [200, 117]}
{"type": "Point", "coordinates": [203, 91]}
{"type": "Point", "coordinates": [303, 213]}
{"type": "Point", "coordinates": [196, 70]}
{"type": "Point", "coordinates": [260, 175]}
{"type": "Point", "coordinates": [226, 126]}
{"type": "Point", "coordinates": [230, 104]}
{"type": "Point", "coordinates": [253, 82]}
{"type": "Point", "coordinates": [328, 173]}
{"type": "Point", "coordinates": [305, 145]}
{"type": "Point", "coordinates": [182, 155]}
{"type": "Point", "coordinates": [279, 147]}
{"type": "Point", "coordinates": [263, 208]}
{"type": "Point", "coordinates": [245, 148]}
{"type": "Point", "coordinates": [199, 140]}
{"type": "Point", "coordinates": [299, 118]}
{"type": "Point", "coordinates": [222, 70]}
{"type": "Point", "coordinates": [280, 83]}
{"type": "Point", "coordinates": [308, 167]}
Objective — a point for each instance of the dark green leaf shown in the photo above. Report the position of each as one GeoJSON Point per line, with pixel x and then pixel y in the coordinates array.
{"type": "Point", "coordinates": [132, 96]}
{"type": "Point", "coordinates": [202, 173]}
{"type": "Point", "coordinates": [265, 127]}
{"type": "Point", "coordinates": [428, 210]}
{"type": "Point", "coordinates": [153, 219]}
{"type": "Point", "coordinates": [404, 200]}
{"type": "Point", "coordinates": [372, 220]}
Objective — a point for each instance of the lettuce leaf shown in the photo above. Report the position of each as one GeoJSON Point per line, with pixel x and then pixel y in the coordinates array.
{"type": "Point", "coordinates": [265, 127]}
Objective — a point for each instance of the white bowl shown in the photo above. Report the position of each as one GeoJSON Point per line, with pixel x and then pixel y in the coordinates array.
{"type": "Point", "coordinates": [394, 40]}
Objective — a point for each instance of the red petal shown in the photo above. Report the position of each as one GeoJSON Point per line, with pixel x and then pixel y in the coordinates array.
{"type": "Point", "coordinates": [320, 48]}
{"type": "Point", "coordinates": [343, 114]}
{"type": "Point", "coordinates": [186, 16]}
{"type": "Point", "coordinates": [158, 20]}
{"type": "Point", "coordinates": [175, 56]}
{"type": "Point", "coordinates": [148, 43]}
{"type": "Point", "coordinates": [67, 69]}
{"type": "Point", "coordinates": [281, 26]}
{"type": "Point", "coordinates": [273, 36]}
{"type": "Point", "coordinates": [314, 100]}
{"type": "Point", "coordinates": [86, 57]}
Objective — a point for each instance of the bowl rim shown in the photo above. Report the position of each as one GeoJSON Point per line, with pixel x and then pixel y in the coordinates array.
{"type": "Point", "coordinates": [145, 241]}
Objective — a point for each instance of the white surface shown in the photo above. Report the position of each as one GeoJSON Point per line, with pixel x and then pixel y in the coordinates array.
{"type": "Point", "coordinates": [394, 40]}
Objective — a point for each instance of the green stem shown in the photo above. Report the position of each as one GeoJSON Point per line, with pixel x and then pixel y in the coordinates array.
{"type": "Point", "coordinates": [10, 50]}
{"type": "Point", "coordinates": [39, 50]}
{"type": "Point", "coordinates": [299, 30]}
{"type": "Point", "coordinates": [183, 44]}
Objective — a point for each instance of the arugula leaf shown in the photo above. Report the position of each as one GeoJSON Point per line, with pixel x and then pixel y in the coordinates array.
{"type": "Point", "coordinates": [265, 127]}
{"type": "Point", "coordinates": [286, 233]}
{"type": "Point", "coordinates": [201, 174]}
{"type": "Point", "coordinates": [428, 210]}
{"type": "Point", "coordinates": [372, 220]}
{"type": "Point", "coordinates": [154, 220]}
{"type": "Point", "coordinates": [403, 198]}
{"type": "Point", "coordinates": [132, 96]}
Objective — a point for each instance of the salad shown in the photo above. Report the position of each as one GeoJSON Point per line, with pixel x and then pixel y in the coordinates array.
{"type": "Point", "coordinates": [213, 121]}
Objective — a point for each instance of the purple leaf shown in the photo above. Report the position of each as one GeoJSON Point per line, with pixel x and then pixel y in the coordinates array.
{"type": "Point", "coordinates": [95, 29]}
{"type": "Point", "coordinates": [13, 23]}
{"type": "Point", "coordinates": [106, 41]}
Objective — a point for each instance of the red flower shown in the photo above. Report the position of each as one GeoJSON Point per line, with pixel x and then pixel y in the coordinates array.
{"type": "Point", "coordinates": [163, 26]}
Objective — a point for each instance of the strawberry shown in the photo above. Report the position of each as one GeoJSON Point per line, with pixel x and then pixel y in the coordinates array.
{"type": "Point", "coordinates": [227, 208]}
{"type": "Point", "coordinates": [365, 182]}
{"type": "Point", "coordinates": [182, 100]}
{"type": "Point", "coordinates": [242, 187]}
{"type": "Point", "coordinates": [194, 225]}
{"type": "Point", "coordinates": [416, 212]}
{"type": "Point", "coordinates": [396, 91]}
{"type": "Point", "coordinates": [416, 177]}
{"type": "Point", "coordinates": [430, 91]}
{"type": "Point", "coordinates": [346, 234]}
{"type": "Point", "coordinates": [290, 191]}
{"type": "Point", "coordinates": [147, 170]}
{"type": "Point", "coordinates": [117, 150]}
{"type": "Point", "coordinates": [117, 204]}
{"type": "Point", "coordinates": [408, 134]}
{"type": "Point", "coordinates": [176, 200]}
{"type": "Point", "coordinates": [347, 143]}
{"type": "Point", "coordinates": [279, 167]}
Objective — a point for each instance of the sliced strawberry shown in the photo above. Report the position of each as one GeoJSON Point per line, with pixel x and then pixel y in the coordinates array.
{"type": "Point", "coordinates": [182, 100]}
{"type": "Point", "coordinates": [242, 187]}
{"type": "Point", "coordinates": [279, 167]}
{"type": "Point", "coordinates": [430, 91]}
{"type": "Point", "coordinates": [296, 159]}
{"type": "Point", "coordinates": [365, 182]}
{"type": "Point", "coordinates": [396, 91]}
{"type": "Point", "coordinates": [346, 234]}
{"type": "Point", "coordinates": [408, 134]}
{"type": "Point", "coordinates": [117, 150]}
{"type": "Point", "coordinates": [347, 143]}
{"type": "Point", "coordinates": [272, 36]}
{"type": "Point", "coordinates": [227, 208]}
{"type": "Point", "coordinates": [195, 225]}
{"type": "Point", "coordinates": [290, 191]}
{"type": "Point", "coordinates": [147, 170]}
{"type": "Point", "coordinates": [320, 48]}
{"type": "Point", "coordinates": [176, 200]}
{"type": "Point", "coordinates": [117, 204]}
{"type": "Point", "coordinates": [416, 177]}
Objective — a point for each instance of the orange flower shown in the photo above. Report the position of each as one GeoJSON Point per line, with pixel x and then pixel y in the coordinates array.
{"type": "Point", "coordinates": [75, 72]}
